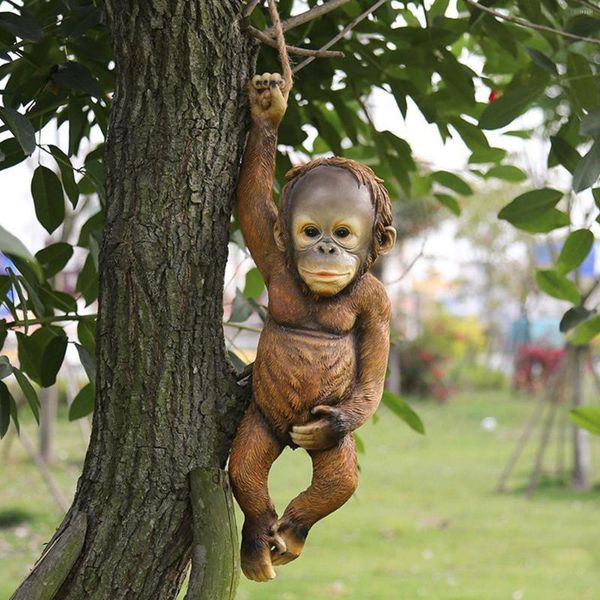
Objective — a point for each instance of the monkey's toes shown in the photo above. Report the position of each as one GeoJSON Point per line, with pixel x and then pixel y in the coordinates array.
{"type": "Point", "coordinates": [259, 571]}
{"type": "Point", "coordinates": [291, 545]}
{"type": "Point", "coordinates": [267, 80]}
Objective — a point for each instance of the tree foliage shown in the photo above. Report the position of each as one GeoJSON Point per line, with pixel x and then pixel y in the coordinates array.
{"type": "Point", "coordinates": [57, 70]}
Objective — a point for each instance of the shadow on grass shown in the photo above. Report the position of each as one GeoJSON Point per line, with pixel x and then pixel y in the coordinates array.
{"type": "Point", "coordinates": [12, 517]}
{"type": "Point", "coordinates": [555, 488]}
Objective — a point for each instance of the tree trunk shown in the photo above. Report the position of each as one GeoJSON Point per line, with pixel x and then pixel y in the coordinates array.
{"type": "Point", "coordinates": [167, 401]}
{"type": "Point", "coordinates": [581, 443]}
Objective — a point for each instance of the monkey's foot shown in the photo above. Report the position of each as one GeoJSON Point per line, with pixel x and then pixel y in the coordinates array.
{"type": "Point", "coordinates": [268, 97]}
{"type": "Point", "coordinates": [267, 80]}
{"type": "Point", "coordinates": [293, 539]}
{"type": "Point", "coordinates": [256, 565]}
{"type": "Point", "coordinates": [256, 557]}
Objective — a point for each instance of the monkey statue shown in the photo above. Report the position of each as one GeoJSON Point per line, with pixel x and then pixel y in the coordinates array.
{"type": "Point", "coordinates": [322, 355]}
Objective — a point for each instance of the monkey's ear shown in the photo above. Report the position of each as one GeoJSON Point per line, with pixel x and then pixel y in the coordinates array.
{"type": "Point", "coordinates": [279, 237]}
{"type": "Point", "coordinates": [388, 241]}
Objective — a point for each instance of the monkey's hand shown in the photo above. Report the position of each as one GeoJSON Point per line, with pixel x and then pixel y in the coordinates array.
{"type": "Point", "coordinates": [322, 433]}
{"type": "Point", "coordinates": [268, 98]}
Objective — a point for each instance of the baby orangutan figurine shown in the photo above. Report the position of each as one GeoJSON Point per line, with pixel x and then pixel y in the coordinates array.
{"type": "Point", "coordinates": [322, 355]}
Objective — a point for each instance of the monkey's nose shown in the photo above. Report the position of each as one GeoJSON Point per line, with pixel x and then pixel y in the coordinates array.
{"type": "Point", "coordinates": [327, 248]}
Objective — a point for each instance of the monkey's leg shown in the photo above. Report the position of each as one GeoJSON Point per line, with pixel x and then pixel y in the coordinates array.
{"type": "Point", "coordinates": [334, 480]}
{"type": "Point", "coordinates": [253, 451]}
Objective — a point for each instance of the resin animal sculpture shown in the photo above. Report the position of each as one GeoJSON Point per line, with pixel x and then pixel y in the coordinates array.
{"type": "Point", "coordinates": [322, 355]}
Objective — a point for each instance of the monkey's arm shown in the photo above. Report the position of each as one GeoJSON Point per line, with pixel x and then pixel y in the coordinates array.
{"type": "Point", "coordinates": [373, 336]}
{"type": "Point", "coordinates": [254, 197]}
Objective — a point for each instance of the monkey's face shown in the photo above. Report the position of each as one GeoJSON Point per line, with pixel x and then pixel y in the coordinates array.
{"type": "Point", "coordinates": [331, 229]}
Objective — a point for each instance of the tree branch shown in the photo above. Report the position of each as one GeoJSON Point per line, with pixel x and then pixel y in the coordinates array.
{"type": "Point", "coordinates": [341, 34]}
{"type": "Point", "coordinates": [46, 320]}
{"type": "Point", "coordinates": [309, 15]}
{"type": "Point", "coordinates": [589, 5]}
{"type": "Point", "coordinates": [529, 25]}
{"type": "Point", "coordinates": [252, 4]}
{"type": "Point", "coordinates": [265, 39]}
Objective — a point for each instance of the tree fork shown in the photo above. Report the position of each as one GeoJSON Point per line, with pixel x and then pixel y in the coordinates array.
{"type": "Point", "coordinates": [167, 399]}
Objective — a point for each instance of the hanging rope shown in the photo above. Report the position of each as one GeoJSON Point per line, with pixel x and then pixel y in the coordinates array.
{"type": "Point", "coordinates": [284, 59]}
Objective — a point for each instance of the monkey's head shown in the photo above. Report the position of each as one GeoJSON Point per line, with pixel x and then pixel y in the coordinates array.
{"type": "Point", "coordinates": [335, 219]}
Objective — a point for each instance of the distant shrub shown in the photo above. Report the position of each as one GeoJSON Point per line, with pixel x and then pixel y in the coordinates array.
{"type": "Point", "coordinates": [476, 377]}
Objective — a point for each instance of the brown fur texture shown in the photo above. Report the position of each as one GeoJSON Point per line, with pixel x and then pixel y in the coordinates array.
{"type": "Point", "coordinates": [328, 355]}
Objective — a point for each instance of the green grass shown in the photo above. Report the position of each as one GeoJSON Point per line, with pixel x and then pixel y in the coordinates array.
{"type": "Point", "coordinates": [425, 523]}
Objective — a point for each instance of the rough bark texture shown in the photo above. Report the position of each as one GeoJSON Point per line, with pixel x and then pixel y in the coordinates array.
{"type": "Point", "coordinates": [167, 400]}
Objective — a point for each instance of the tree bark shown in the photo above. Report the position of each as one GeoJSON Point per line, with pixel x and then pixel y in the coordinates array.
{"type": "Point", "coordinates": [167, 399]}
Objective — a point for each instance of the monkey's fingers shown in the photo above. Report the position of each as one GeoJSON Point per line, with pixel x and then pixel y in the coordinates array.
{"type": "Point", "coordinates": [261, 82]}
{"type": "Point", "coordinates": [323, 409]}
{"type": "Point", "coordinates": [260, 572]}
{"type": "Point", "coordinates": [310, 427]}
{"type": "Point", "coordinates": [277, 542]}
{"type": "Point", "coordinates": [308, 442]}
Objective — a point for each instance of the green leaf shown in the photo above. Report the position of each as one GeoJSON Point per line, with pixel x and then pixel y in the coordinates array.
{"type": "Point", "coordinates": [402, 409]}
{"type": "Point", "coordinates": [573, 317]}
{"type": "Point", "coordinates": [511, 105]}
{"type": "Point", "coordinates": [507, 173]}
{"type": "Point", "coordinates": [590, 124]}
{"type": "Point", "coordinates": [5, 406]}
{"type": "Point", "coordinates": [585, 332]}
{"type": "Point", "coordinates": [53, 357]}
{"type": "Point", "coordinates": [486, 156]}
{"type": "Point", "coordinates": [25, 26]}
{"type": "Point", "coordinates": [596, 194]}
{"type": "Point", "coordinates": [20, 127]}
{"type": "Point", "coordinates": [11, 153]}
{"type": "Point", "coordinates": [3, 332]}
{"type": "Point", "coordinates": [582, 81]}
{"type": "Point", "coordinates": [587, 171]}
{"type": "Point", "coordinates": [87, 282]}
{"type": "Point", "coordinates": [240, 308]}
{"type": "Point", "coordinates": [586, 417]}
{"type": "Point", "coordinates": [41, 354]}
{"type": "Point", "coordinates": [86, 332]}
{"type": "Point", "coordinates": [542, 61]}
{"type": "Point", "coordinates": [575, 249]}
{"type": "Point", "coordinates": [553, 219]}
{"type": "Point", "coordinates": [9, 244]}
{"type": "Point", "coordinates": [449, 202]}
{"type": "Point", "coordinates": [471, 135]}
{"type": "Point", "coordinates": [83, 403]}
{"type": "Point", "coordinates": [66, 173]}
{"type": "Point", "coordinates": [57, 299]}
{"type": "Point", "coordinates": [557, 285]}
{"type": "Point", "coordinates": [530, 205]}
{"type": "Point", "coordinates": [452, 182]}
{"type": "Point", "coordinates": [6, 368]}
{"type": "Point", "coordinates": [564, 153]}
{"type": "Point", "coordinates": [54, 258]}
{"type": "Point", "coordinates": [88, 362]}
{"type": "Point", "coordinates": [14, 412]}
{"type": "Point", "coordinates": [74, 76]}
{"type": "Point", "coordinates": [29, 393]}
{"type": "Point", "coordinates": [4, 287]}
{"type": "Point", "coordinates": [255, 284]}
{"type": "Point", "coordinates": [48, 198]}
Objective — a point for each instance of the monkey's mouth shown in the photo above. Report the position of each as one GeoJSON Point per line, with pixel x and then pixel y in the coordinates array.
{"type": "Point", "coordinates": [325, 274]}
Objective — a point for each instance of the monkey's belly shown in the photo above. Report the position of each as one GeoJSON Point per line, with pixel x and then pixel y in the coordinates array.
{"type": "Point", "coordinates": [297, 369]}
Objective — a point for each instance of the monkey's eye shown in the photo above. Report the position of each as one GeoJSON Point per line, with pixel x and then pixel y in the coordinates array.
{"type": "Point", "coordinates": [311, 232]}
{"type": "Point", "coordinates": [342, 232]}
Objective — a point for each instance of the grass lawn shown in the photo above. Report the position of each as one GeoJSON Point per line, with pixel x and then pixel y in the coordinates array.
{"type": "Point", "coordinates": [425, 523]}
